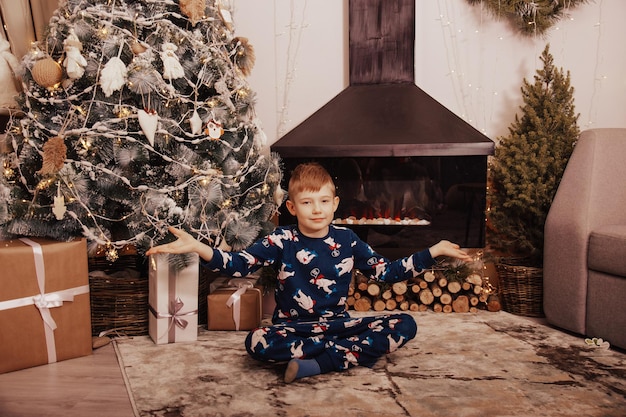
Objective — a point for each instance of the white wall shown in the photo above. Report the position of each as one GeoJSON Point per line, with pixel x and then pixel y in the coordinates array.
{"type": "Point", "coordinates": [465, 58]}
{"type": "Point", "coordinates": [301, 57]}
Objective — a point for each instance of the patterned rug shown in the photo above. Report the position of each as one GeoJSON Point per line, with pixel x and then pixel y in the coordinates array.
{"type": "Point", "coordinates": [473, 364]}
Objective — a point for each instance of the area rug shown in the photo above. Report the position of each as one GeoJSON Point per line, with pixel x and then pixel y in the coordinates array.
{"type": "Point", "coordinates": [460, 364]}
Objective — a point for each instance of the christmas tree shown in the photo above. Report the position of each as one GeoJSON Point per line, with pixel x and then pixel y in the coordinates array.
{"type": "Point", "coordinates": [138, 117]}
{"type": "Point", "coordinates": [528, 164]}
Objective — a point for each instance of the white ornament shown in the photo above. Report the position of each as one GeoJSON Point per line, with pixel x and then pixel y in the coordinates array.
{"type": "Point", "coordinates": [113, 76]}
{"type": "Point", "coordinates": [148, 122]}
{"type": "Point", "coordinates": [171, 66]}
{"type": "Point", "coordinates": [261, 137]}
{"type": "Point", "coordinates": [59, 205]}
{"type": "Point", "coordinates": [74, 62]}
{"type": "Point", "coordinates": [279, 196]}
{"type": "Point", "coordinates": [214, 129]}
{"type": "Point", "coordinates": [228, 18]}
{"type": "Point", "coordinates": [196, 123]}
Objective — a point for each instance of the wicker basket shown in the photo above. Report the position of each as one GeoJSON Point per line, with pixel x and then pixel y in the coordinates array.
{"type": "Point", "coordinates": [521, 289]}
{"type": "Point", "coordinates": [119, 295]}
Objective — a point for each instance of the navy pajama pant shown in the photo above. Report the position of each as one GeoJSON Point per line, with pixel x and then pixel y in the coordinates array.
{"type": "Point", "coordinates": [337, 344]}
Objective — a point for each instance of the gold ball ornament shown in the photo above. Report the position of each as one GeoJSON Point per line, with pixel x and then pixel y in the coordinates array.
{"type": "Point", "coordinates": [47, 72]}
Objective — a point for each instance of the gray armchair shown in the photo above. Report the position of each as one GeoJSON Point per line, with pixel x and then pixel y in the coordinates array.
{"type": "Point", "coordinates": [584, 269]}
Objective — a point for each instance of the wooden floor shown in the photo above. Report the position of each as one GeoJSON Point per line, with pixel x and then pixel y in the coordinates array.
{"type": "Point", "coordinates": [90, 386]}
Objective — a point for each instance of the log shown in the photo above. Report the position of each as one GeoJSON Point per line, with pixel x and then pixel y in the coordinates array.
{"type": "Point", "coordinates": [447, 308]}
{"type": "Point", "coordinates": [454, 287]}
{"type": "Point", "coordinates": [445, 298]}
{"type": "Point", "coordinates": [363, 304]}
{"type": "Point", "coordinates": [436, 289]}
{"type": "Point", "coordinates": [361, 281]}
{"type": "Point", "coordinates": [442, 282]}
{"type": "Point", "coordinates": [437, 308]}
{"type": "Point", "coordinates": [475, 279]}
{"type": "Point", "coordinates": [399, 288]}
{"type": "Point", "coordinates": [373, 289]}
{"type": "Point", "coordinates": [429, 276]}
{"type": "Point", "coordinates": [414, 306]}
{"type": "Point", "coordinates": [466, 286]}
{"type": "Point", "coordinates": [387, 294]}
{"type": "Point", "coordinates": [426, 297]}
{"type": "Point", "coordinates": [391, 304]}
{"type": "Point", "coordinates": [478, 289]}
{"type": "Point", "coordinates": [422, 308]}
{"type": "Point", "coordinates": [415, 288]}
{"type": "Point", "coordinates": [350, 301]}
{"type": "Point", "coordinates": [473, 299]}
{"type": "Point", "coordinates": [404, 305]}
{"type": "Point", "coordinates": [379, 304]}
{"type": "Point", "coordinates": [461, 304]}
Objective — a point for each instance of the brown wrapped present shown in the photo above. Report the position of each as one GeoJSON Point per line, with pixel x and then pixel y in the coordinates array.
{"type": "Point", "coordinates": [237, 306]}
{"type": "Point", "coordinates": [44, 302]}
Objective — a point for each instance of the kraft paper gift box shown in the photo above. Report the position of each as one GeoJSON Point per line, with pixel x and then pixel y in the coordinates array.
{"type": "Point", "coordinates": [173, 300]}
{"type": "Point", "coordinates": [44, 302]}
{"type": "Point", "coordinates": [236, 306]}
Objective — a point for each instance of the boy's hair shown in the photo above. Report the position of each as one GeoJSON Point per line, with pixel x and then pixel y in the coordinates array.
{"type": "Point", "coordinates": [309, 176]}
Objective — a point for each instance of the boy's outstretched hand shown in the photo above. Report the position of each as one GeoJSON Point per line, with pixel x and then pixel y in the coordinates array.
{"type": "Point", "coordinates": [447, 248]}
{"type": "Point", "coordinates": [185, 243]}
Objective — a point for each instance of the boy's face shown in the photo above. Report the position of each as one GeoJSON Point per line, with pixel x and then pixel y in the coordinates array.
{"type": "Point", "coordinates": [314, 210]}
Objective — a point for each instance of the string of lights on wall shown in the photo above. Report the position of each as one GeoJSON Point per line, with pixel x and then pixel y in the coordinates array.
{"type": "Point", "coordinates": [292, 34]}
{"type": "Point", "coordinates": [477, 81]}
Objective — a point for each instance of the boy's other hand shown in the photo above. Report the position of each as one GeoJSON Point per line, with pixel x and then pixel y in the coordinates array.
{"type": "Point", "coordinates": [447, 248]}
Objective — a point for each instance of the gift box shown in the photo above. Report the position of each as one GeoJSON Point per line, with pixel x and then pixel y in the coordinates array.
{"type": "Point", "coordinates": [236, 306]}
{"type": "Point", "coordinates": [173, 300]}
{"type": "Point", "coordinates": [44, 302]}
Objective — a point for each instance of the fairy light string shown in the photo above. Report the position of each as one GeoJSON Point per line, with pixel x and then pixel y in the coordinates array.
{"type": "Point", "coordinates": [477, 83]}
{"type": "Point", "coordinates": [293, 34]}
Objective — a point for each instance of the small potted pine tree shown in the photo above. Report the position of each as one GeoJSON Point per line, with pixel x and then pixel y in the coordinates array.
{"type": "Point", "coordinates": [524, 174]}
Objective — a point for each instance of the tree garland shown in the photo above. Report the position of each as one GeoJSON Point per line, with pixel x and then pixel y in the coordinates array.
{"type": "Point", "coordinates": [529, 17]}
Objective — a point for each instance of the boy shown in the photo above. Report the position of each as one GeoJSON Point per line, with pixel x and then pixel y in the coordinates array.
{"type": "Point", "coordinates": [311, 329]}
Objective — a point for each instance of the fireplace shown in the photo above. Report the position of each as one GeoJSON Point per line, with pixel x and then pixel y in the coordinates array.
{"type": "Point", "coordinates": [408, 171]}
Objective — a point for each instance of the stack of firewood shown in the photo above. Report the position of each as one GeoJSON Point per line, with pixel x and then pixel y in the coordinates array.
{"type": "Point", "coordinates": [440, 290]}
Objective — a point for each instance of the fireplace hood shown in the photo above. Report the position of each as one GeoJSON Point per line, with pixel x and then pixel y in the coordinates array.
{"type": "Point", "coordinates": [382, 112]}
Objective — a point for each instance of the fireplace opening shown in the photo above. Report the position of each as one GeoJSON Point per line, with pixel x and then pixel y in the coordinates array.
{"type": "Point", "coordinates": [400, 205]}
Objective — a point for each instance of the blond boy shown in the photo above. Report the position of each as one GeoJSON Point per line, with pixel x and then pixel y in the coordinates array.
{"type": "Point", "coordinates": [312, 331]}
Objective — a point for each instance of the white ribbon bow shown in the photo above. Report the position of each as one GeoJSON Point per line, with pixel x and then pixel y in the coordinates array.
{"type": "Point", "coordinates": [234, 300]}
{"type": "Point", "coordinates": [49, 300]}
